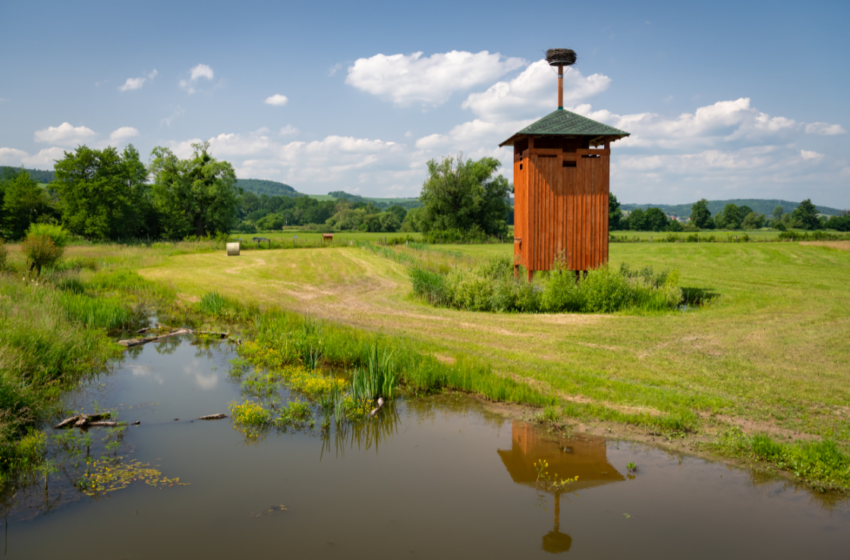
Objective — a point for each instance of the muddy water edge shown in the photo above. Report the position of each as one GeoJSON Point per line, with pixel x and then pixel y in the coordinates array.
{"type": "Point", "coordinates": [440, 477]}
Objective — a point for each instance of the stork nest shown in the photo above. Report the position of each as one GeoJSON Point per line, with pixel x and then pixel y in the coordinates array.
{"type": "Point", "coordinates": [560, 57]}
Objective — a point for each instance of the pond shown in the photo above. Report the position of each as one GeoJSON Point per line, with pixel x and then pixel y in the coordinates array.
{"type": "Point", "coordinates": [439, 477]}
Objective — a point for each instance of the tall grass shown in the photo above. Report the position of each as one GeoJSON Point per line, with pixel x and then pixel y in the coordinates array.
{"type": "Point", "coordinates": [54, 333]}
{"type": "Point", "coordinates": [95, 313]}
{"type": "Point", "coordinates": [43, 351]}
{"type": "Point", "coordinates": [491, 286]}
{"type": "Point", "coordinates": [377, 379]}
{"type": "Point", "coordinates": [820, 463]}
{"type": "Point", "coordinates": [280, 337]}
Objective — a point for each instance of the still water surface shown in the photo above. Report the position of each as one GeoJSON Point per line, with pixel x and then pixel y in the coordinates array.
{"type": "Point", "coordinates": [434, 478]}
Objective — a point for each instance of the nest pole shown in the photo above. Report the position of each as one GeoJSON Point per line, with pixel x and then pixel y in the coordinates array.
{"type": "Point", "coordinates": [560, 86]}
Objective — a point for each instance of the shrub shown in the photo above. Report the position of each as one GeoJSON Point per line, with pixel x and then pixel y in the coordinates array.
{"type": "Point", "coordinates": [429, 285]}
{"type": "Point", "coordinates": [790, 236]}
{"type": "Point", "coordinates": [491, 286]}
{"type": "Point", "coordinates": [562, 293]}
{"type": "Point", "coordinates": [604, 291]}
{"type": "Point", "coordinates": [44, 245]}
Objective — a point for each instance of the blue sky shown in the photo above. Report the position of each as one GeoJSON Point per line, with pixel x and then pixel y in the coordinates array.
{"type": "Point", "coordinates": [723, 99]}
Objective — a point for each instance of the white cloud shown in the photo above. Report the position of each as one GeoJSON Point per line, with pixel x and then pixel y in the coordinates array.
{"type": "Point", "coordinates": [43, 159]}
{"type": "Point", "coordinates": [277, 99]}
{"type": "Point", "coordinates": [335, 162]}
{"type": "Point", "coordinates": [11, 156]}
{"type": "Point", "coordinates": [724, 121]}
{"type": "Point", "coordinates": [807, 155]}
{"type": "Point", "coordinates": [334, 69]}
{"type": "Point", "coordinates": [64, 134]}
{"type": "Point", "coordinates": [406, 79]}
{"type": "Point", "coordinates": [701, 162]}
{"type": "Point", "coordinates": [825, 129]}
{"type": "Point", "coordinates": [201, 71]}
{"type": "Point", "coordinates": [136, 83]}
{"type": "Point", "coordinates": [122, 134]}
{"type": "Point", "coordinates": [534, 93]}
{"type": "Point", "coordinates": [131, 84]}
{"type": "Point", "coordinates": [472, 135]}
{"type": "Point", "coordinates": [195, 74]}
{"type": "Point", "coordinates": [288, 130]}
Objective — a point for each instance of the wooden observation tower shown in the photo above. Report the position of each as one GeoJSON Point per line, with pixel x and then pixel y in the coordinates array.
{"type": "Point", "coordinates": [561, 186]}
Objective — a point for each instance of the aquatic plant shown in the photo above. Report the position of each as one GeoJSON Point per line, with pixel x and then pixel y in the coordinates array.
{"type": "Point", "coordinates": [294, 413]}
{"type": "Point", "coordinates": [377, 379]}
{"type": "Point", "coordinates": [250, 413]}
{"type": "Point", "coordinates": [550, 482]}
{"type": "Point", "coordinates": [106, 475]}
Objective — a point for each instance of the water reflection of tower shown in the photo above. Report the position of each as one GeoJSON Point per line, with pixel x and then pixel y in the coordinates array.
{"type": "Point", "coordinates": [585, 457]}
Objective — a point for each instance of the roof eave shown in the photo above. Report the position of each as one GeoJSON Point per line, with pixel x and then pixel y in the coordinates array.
{"type": "Point", "coordinates": [611, 137]}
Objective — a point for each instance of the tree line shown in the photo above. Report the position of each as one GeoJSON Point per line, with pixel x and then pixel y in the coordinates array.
{"type": "Point", "coordinates": [732, 217]}
{"type": "Point", "coordinates": [106, 195]}
{"type": "Point", "coordinates": [112, 195]}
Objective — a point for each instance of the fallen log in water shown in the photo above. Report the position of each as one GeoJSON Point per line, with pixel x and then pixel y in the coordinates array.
{"type": "Point", "coordinates": [106, 424]}
{"type": "Point", "coordinates": [177, 332]}
{"type": "Point", "coordinates": [82, 420]}
{"type": "Point", "coordinates": [139, 341]}
{"type": "Point", "coordinates": [218, 416]}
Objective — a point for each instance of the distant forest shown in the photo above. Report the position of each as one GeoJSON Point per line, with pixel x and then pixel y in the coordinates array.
{"type": "Point", "coordinates": [406, 203]}
{"type": "Point", "coordinates": [37, 175]}
{"type": "Point", "coordinates": [760, 206]}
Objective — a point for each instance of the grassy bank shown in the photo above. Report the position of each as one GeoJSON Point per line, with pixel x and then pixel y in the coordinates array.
{"type": "Point", "coordinates": [770, 355]}
{"type": "Point", "coordinates": [56, 333]}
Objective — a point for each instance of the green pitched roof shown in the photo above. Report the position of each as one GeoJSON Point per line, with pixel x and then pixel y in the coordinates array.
{"type": "Point", "coordinates": [566, 123]}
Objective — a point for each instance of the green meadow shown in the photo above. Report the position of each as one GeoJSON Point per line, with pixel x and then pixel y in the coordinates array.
{"type": "Point", "coordinates": [767, 354]}
{"type": "Point", "coordinates": [770, 350]}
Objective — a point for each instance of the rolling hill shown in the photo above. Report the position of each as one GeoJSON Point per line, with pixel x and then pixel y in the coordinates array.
{"type": "Point", "coordinates": [264, 186]}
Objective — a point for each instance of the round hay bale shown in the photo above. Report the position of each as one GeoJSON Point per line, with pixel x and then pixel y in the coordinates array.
{"type": "Point", "coordinates": [233, 249]}
{"type": "Point", "coordinates": [560, 57]}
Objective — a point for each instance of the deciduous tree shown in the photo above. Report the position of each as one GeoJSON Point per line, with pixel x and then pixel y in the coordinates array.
{"type": "Point", "coordinates": [24, 203]}
{"type": "Point", "coordinates": [700, 214]}
{"type": "Point", "coordinates": [465, 195]}
{"type": "Point", "coordinates": [614, 213]}
{"type": "Point", "coordinates": [806, 215]}
{"type": "Point", "coordinates": [194, 196]}
{"type": "Point", "coordinates": [103, 194]}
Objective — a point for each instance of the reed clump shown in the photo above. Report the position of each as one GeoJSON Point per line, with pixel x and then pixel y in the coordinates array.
{"type": "Point", "coordinates": [491, 286]}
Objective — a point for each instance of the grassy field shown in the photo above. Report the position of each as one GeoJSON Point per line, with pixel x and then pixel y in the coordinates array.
{"type": "Point", "coordinates": [294, 233]}
{"type": "Point", "coordinates": [720, 235]}
{"type": "Point", "coordinates": [772, 353]}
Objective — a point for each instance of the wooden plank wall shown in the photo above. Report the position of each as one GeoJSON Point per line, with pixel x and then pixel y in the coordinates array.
{"type": "Point", "coordinates": [521, 240]}
{"type": "Point", "coordinates": [561, 211]}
